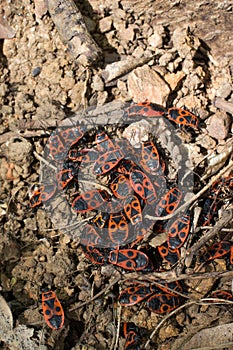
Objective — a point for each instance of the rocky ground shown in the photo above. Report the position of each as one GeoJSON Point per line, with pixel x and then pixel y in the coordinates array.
{"type": "Point", "coordinates": [174, 53]}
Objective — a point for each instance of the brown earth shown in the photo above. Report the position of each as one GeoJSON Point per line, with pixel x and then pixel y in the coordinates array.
{"type": "Point", "coordinates": [175, 53]}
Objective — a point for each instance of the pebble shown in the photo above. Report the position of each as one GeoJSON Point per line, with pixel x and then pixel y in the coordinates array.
{"type": "Point", "coordinates": [138, 52]}
{"type": "Point", "coordinates": [146, 84]}
{"type": "Point", "coordinates": [168, 331]}
{"type": "Point", "coordinates": [166, 58]}
{"type": "Point", "coordinates": [137, 132]}
{"type": "Point", "coordinates": [218, 125]}
{"type": "Point", "coordinates": [97, 83]}
{"type": "Point", "coordinates": [36, 71]}
{"type": "Point", "coordinates": [105, 24]}
{"type": "Point", "coordinates": [67, 83]}
{"type": "Point", "coordinates": [40, 9]}
{"type": "Point", "coordinates": [174, 79]}
{"type": "Point", "coordinates": [223, 84]}
{"type": "Point", "coordinates": [185, 43]}
{"type": "Point", "coordinates": [156, 39]}
{"type": "Point", "coordinates": [126, 34]}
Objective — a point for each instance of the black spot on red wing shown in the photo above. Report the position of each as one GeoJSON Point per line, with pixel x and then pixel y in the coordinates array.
{"type": "Point", "coordinates": [112, 225]}
{"type": "Point", "coordinates": [216, 251]}
{"type": "Point", "coordinates": [183, 117]}
{"type": "Point", "coordinates": [133, 297]}
{"type": "Point", "coordinates": [173, 231]}
{"type": "Point", "coordinates": [180, 120]}
{"type": "Point", "coordinates": [170, 208]}
{"type": "Point", "coordinates": [129, 263]}
{"type": "Point", "coordinates": [58, 309]}
{"type": "Point", "coordinates": [44, 196]}
{"type": "Point", "coordinates": [130, 253]}
{"type": "Point", "coordinates": [48, 312]}
{"type": "Point", "coordinates": [93, 204]}
{"type": "Point", "coordinates": [164, 251]}
{"type": "Point", "coordinates": [169, 255]}
{"type": "Point", "coordinates": [106, 167]}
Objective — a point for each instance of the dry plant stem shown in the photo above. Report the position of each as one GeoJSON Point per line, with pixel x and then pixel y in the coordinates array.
{"type": "Point", "coordinates": [70, 225]}
{"type": "Point", "coordinates": [227, 217]}
{"type": "Point", "coordinates": [97, 295]}
{"type": "Point", "coordinates": [203, 301]}
{"type": "Point", "coordinates": [207, 301]}
{"type": "Point", "coordinates": [217, 346]}
{"type": "Point", "coordinates": [118, 328]}
{"type": "Point", "coordinates": [113, 338]}
{"type": "Point", "coordinates": [165, 319]}
{"type": "Point", "coordinates": [43, 160]}
{"type": "Point", "coordinates": [118, 69]}
{"type": "Point", "coordinates": [171, 277]}
{"type": "Point", "coordinates": [101, 187]}
{"type": "Point", "coordinates": [195, 197]}
{"type": "Point", "coordinates": [72, 30]}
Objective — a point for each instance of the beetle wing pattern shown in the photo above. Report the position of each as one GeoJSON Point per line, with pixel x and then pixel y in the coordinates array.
{"type": "Point", "coordinates": [52, 310]}
{"type": "Point", "coordinates": [129, 259]}
{"type": "Point", "coordinates": [182, 117]}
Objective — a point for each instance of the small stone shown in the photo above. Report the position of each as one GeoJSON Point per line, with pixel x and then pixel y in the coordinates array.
{"type": "Point", "coordinates": [137, 132]}
{"type": "Point", "coordinates": [105, 24]}
{"type": "Point", "coordinates": [206, 141]}
{"type": "Point", "coordinates": [174, 79]}
{"type": "Point", "coordinates": [166, 58]}
{"type": "Point", "coordinates": [3, 89]}
{"type": "Point", "coordinates": [146, 84]}
{"type": "Point", "coordinates": [218, 125]}
{"type": "Point", "coordinates": [119, 24]}
{"type": "Point", "coordinates": [36, 71]}
{"type": "Point", "coordinates": [6, 32]}
{"type": "Point", "coordinates": [119, 13]}
{"type": "Point", "coordinates": [102, 97]}
{"type": "Point", "coordinates": [40, 8]}
{"type": "Point", "coordinates": [185, 43]}
{"type": "Point", "coordinates": [121, 85]}
{"type": "Point", "coordinates": [222, 84]}
{"type": "Point", "coordinates": [168, 332]}
{"type": "Point", "coordinates": [204, 286]}
{"type": "Point", "coordinates": [67, 83]}
{"type": "Point", "coordinates": [138, 52]}
{"type": "Point", "coordinates": [156, 39]}
{"type": "Point", "coordinates": [97, 83]}
{"type": "Point", "coordinates": [126, 34]}
{"type": "Point", "coordinates": [42, 258]}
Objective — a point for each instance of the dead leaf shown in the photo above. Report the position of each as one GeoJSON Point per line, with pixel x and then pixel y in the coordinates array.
{"type": "Point", "coordinates": [218, 337]}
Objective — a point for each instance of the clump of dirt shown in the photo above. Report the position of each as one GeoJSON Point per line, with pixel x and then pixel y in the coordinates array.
{"type": "Point", "coordinates": [163, 52]}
